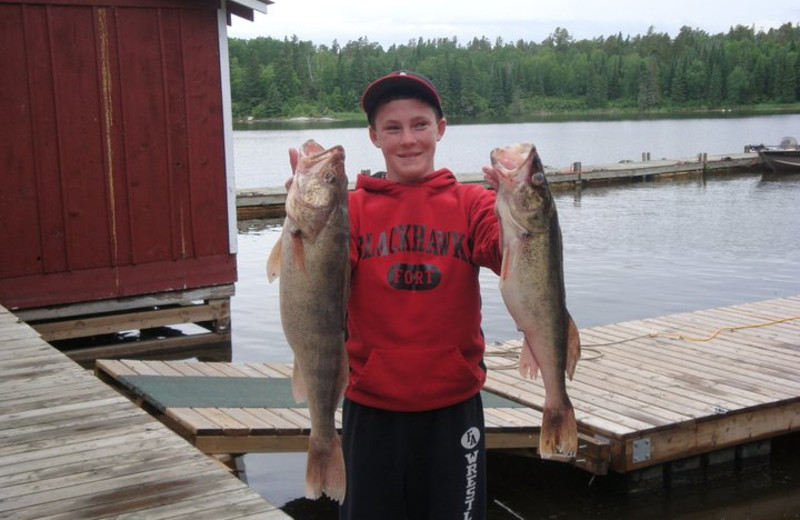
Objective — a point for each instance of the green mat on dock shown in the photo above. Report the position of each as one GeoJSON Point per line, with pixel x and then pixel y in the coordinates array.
{"type": "Point", "coordinates": [164, 392]}
{"type": "Point", "coordinates": [212, 392]}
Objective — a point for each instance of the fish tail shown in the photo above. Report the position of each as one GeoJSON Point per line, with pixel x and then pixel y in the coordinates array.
{"type": "Point", "coordinates": [325, 469]}
{"type": "Point", "coordinates": [559, 435]}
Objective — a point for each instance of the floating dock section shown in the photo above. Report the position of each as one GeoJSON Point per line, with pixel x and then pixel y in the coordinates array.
{"type": "Point", "coordinates": [691, 389]}
{"type": "Point", "coordinates": [698, 388]}
{"type": "Point", "coordinates": [235, 408]}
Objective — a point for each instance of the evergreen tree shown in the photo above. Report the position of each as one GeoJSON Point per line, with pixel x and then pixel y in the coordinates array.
{"type": "Point", "coordinates": [275, 78]}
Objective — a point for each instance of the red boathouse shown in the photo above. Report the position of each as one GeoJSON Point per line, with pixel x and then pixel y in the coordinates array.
{"type": "Point", "coordinates": [117, 201]}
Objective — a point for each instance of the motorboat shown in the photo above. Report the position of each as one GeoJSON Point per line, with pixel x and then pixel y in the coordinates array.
{"type": "Point", "coordinates": [783, 158]}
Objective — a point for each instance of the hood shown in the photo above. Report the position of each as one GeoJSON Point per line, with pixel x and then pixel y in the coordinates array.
{"type": "Point", "coordinates": [438, 180]}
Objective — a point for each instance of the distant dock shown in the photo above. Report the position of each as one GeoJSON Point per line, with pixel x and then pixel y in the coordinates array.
{"type": "Point", "coordinates": [266, 203]}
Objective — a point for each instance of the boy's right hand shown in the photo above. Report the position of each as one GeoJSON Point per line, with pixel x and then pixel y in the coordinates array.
{"type": "Point", "coordinates": [293, 155]}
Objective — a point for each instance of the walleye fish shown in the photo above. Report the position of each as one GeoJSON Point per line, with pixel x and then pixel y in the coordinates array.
{"type": "Point", "coordinates": [312, 260]}
{"type": "Point", "coordinates": [532, 285]}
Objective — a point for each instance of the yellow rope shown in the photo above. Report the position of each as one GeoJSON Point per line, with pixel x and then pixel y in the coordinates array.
{"type": "Point", "coordinates": [723, 329]}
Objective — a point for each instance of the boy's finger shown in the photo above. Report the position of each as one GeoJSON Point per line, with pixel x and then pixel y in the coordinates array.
{"type": "Point", "coordinates": [293, 155]}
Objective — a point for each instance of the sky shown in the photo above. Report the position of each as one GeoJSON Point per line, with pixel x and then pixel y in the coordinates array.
{"type": "Point", "coordinates": [396, 22]}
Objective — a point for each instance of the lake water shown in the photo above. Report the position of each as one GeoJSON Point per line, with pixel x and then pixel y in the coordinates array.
{"type": "Point", "coordinates": [261, 157]}
{"type": "Point", "coordinates": [630, 251]}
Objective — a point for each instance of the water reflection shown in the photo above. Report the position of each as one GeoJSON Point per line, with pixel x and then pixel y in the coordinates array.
{"type": "Point", "coordinates": [534, 489]}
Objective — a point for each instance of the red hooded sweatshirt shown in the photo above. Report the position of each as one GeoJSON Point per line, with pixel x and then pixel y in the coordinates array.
{"type": "Point", "coordinates": [414, 316]}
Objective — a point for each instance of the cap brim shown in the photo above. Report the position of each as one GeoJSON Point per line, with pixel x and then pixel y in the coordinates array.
{"type": "Point", "coordinates": [399, 84]}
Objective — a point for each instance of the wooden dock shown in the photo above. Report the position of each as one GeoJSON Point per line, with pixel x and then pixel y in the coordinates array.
{"type": "Point", "coordinates": [646, 393]}
{"type": "Point", "coordinates": [140, 326]}
{"type": "Point", "coordinates": [679, 386]}
{"type": "Point", "coordinates": [72, 447]}
{"type": "Point", "coordinates": [268, 202]}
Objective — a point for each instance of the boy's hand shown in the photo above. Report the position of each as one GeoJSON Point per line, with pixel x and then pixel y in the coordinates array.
{"type": "Point", "coordinates": [490, 175]}
{"type": "Point", "coordinates": [293, 155]}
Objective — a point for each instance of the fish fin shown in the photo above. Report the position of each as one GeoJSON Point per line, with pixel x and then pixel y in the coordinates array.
{"type": "Point", "coordinates": [559, 435]}
{"type": "Point", "coordinates": [299, 391]}
{"type": "Point", "coordinates": [325, 468]}
{"type": "Point", "coordinates": [506, 262]}
{"type": "Point", "coordinates": [298, 251]}
{"type": "Point", "coordinates": [274, 262]}
{"type": "Point", "coordinates": [573, 347]}
{"type": "Point", "coordinates": [528, 367]}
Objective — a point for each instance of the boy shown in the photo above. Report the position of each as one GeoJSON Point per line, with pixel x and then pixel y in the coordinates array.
{"type": "Point", "coordinates": [413, 431]}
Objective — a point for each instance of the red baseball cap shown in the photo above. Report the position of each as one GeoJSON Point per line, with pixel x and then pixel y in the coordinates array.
{"type": "Point", "coordinates": [400, 82]}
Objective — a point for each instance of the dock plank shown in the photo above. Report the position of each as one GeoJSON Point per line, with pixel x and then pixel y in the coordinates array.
{"type": "Point", "coordinates": [775, 382]}
{"type": "Point", "coordinates": [700, 362]}
{"type": "Point", "coordinates": [67, 463]}
{"type": "Point", "coordinates": [596, 410]}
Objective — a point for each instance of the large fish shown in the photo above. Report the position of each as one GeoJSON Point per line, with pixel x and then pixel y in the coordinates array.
{"type": "Point", "coordinates": [532, 285]}
{"type": "Point", "coordinates": [312, 260]}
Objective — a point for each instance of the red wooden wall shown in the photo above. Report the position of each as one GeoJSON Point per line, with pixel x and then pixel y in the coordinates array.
{"type": "Point", "coordinates": [112, 162]}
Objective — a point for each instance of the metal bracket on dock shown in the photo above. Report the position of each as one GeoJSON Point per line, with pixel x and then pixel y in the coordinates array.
{"type": "Point", "coordinates": [641, 450]}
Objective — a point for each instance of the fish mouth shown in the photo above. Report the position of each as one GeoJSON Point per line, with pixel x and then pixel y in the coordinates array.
{"type": "Point", "coordinates": [510, 160]}
{"type": "Point", "coordinates": [335, 153]}
{"type": "Point", "coordinates": [331, 162]}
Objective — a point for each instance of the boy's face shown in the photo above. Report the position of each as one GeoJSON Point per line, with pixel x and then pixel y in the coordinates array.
{"type": "Point", "coordinates": [406, 131]}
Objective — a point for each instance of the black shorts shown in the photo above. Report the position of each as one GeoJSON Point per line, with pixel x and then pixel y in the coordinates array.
{"type": "Point", "coordinates": [414, 465]}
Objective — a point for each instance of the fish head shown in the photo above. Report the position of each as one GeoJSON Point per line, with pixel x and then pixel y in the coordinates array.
{"type": "Point", "coordinates": [523, 191]}
{"type": "Point", "coordinates": [510, 159]}
{"type": "Point", "coordinates": [319, 185]}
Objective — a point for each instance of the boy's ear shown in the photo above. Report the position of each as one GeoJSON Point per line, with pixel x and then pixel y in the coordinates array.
{"type": "Point", "coordinates": [373, 136]}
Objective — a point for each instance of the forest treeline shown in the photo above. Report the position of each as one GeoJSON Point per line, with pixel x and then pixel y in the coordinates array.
{"type": "Point", "coordinates": [273, 78]}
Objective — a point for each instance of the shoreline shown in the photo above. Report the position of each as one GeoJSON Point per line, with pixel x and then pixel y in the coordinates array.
{"type": "Point", "coordinates": [614, 114]}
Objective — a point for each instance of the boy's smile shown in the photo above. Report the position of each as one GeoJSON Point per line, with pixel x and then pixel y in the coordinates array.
{"type": "Point", "coordinates": [406, 131]}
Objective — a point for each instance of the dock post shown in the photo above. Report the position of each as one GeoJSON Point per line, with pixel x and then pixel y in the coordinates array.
{"type": "Point", "coordinates": [703, 159]}
{"type": "Point", "coordinates": [576, 167]}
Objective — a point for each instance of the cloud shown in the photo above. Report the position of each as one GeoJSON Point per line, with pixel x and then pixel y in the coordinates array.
{"type": "Point", "coordinates": [323, 21]}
